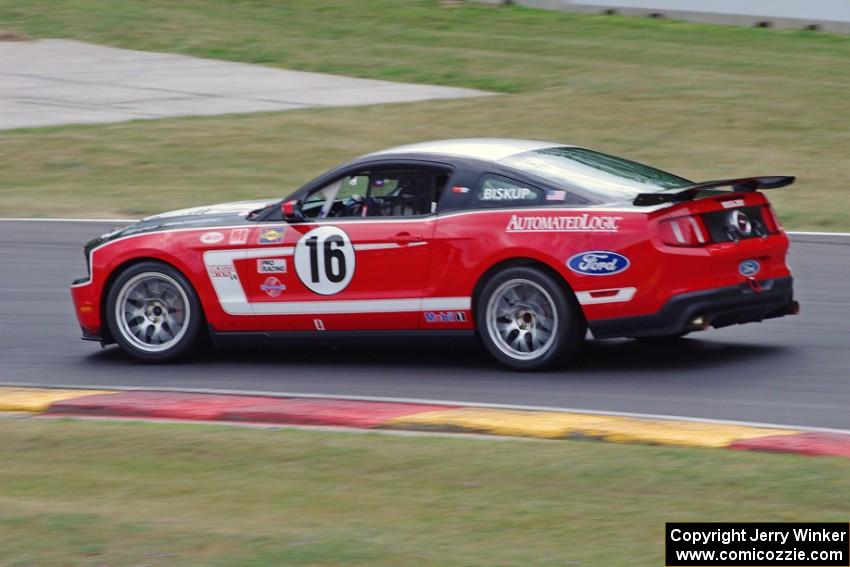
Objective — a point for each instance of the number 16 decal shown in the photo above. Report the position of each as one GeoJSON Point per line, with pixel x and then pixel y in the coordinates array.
{"type": "Point", "coordinates": [324, 260]}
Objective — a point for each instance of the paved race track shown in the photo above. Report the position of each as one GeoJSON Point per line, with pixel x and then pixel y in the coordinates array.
{"type": "Point", "coordinates": [794, 370]}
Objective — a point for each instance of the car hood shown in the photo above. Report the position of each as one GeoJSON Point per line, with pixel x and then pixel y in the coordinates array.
{"type": "Point", "coordinates": [224, 214]}
{"type": "Point", "coordinates": [238, 208]}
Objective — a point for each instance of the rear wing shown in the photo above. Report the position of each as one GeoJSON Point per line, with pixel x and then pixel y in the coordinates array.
{"type": "Point", "coordinates": [689, 192]}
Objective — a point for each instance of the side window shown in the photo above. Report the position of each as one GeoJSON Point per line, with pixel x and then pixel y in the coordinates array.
{"type": "Point", "coordinates": [378, 193]}
{"type": "Point", "coordinates": [353, 185]}
{"type": "Point", "coordinates": [381, 185]}
{"type": "Point", "coordinates": [498, 191]}
{"type": "Point", "coordinates": [320, 202]}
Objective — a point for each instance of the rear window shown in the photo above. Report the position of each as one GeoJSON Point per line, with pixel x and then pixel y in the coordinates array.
{"type": "Point", "coordinates": [606, 176]}
{"type": "Point", "coordinates": [497, 191]}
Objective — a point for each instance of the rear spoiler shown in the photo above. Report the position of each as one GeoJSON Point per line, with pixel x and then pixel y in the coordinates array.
{"type": "Point", "coordinates": [689, 192]}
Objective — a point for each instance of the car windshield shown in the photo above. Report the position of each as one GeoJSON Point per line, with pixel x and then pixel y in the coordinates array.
{"type": "Point", "coordinates": [609, 177]}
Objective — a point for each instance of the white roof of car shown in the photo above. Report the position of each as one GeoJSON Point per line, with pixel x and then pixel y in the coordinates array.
{"type": "Point", "coordinates": [493, 149]}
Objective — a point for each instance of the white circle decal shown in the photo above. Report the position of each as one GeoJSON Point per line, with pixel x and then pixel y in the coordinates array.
{"type": "Point", "coordinates": [324, 260]}
{"type": "Point", "coordinates": [212, 237]}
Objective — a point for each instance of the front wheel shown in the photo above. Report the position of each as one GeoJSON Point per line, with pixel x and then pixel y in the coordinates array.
{"type": "Point", "coordinates": [153, 313]}
{"type": "Point", "coordinates": [527, 320]}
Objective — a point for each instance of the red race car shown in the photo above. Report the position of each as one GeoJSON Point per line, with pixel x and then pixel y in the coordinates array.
{"type": "Point", "coordinates": [528, 244]}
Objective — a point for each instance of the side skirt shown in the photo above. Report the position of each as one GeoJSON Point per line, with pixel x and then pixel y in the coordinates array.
{"type": "Point", "coordinates": [330, 338]}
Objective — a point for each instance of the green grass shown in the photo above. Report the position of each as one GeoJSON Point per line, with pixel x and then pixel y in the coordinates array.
{"type": "Point", "coordinates": [703, 101]}
{"type": "Point", "coordinates": [84, 493]}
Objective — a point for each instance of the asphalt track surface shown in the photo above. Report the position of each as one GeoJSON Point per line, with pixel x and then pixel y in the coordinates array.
{"type": "Point", "coordinates": [793, 370]}
{"type": "Point", "coordinates": [61, 81]}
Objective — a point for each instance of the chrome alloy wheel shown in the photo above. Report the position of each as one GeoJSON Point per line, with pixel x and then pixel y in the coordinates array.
{"type": "Point", "coordinates": [152, 311]}
{"type": "Point", "coordinates": [522, 319]}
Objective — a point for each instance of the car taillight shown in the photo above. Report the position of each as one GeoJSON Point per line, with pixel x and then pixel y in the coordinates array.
{"type": "Point", "coordinates": [771, 221]}
{"type": "Point", "coordinates": [683, 231]}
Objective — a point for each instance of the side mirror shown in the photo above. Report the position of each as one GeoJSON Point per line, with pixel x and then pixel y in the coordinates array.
{"type": "Point", "coordinates": [292, 211]}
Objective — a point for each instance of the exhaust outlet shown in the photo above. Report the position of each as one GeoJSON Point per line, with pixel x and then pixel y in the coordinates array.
{"type": "Point", "coordinates": [699, 323]}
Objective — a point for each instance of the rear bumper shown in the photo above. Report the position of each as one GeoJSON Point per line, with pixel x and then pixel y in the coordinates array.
{"type": "Point", "coordinates": [718, 307]}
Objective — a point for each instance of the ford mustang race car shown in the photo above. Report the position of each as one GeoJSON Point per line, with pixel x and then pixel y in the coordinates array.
{"type": "Point", "coordinates": [528, 244]}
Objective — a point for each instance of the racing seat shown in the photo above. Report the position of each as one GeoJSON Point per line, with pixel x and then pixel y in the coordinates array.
{"type": "Point", "coordinates": [414, 196]}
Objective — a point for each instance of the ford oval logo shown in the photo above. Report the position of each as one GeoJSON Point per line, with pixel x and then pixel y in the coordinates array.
{"type": "Point", "coordinates": [749, 268]}
{"type": "Point", "coordinates": [598, 263]}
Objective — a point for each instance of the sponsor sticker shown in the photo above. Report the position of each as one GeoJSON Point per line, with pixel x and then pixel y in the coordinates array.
{"type": "Point", "coordinates": [445, 316]}
{"type": "Point", "coordinates": [569, 223]}
{"type": "Point", "coordinates": [223, 271]}
{"type": "Point", "coordinates": [239, 236]}
{"type": "Point", "coordinates": [749, 268]}
{"type": "Point", "coordinates": [212, 237]}
{"type": "Point", "coordinates": [506, 194]}
{"type": "Point", "coordinates": [553, 195]}
{"type": "Point", "coordinates": [271, 236]}
{"type": "Point", "coordinates": [273, 286]}
{"type": "Point", "coordinates": [598, 263]}
{"type": "Point", "coordinates": [458, 189]}
{"type": "Point", "coordinates": [319, 324]}
{"type": "Point", "coordinates": [732, 204]}
{"type": "Point", "coordinates": [271, 266]}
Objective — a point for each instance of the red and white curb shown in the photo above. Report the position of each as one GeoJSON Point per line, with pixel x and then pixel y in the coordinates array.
{"type": "Point", "coordinates": [383, 414]}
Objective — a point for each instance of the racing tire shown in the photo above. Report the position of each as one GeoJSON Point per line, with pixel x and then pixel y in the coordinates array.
{"type": "Point", "coordinates": [528, 320]}
{"type": "Point", "coordinates": [153, 313]}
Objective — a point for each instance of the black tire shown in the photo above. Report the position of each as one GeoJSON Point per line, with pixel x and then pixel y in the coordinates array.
{"type": "Point", "coordinates": [528, 319]}
{"type": "Point", "coordinates": [169, 312]}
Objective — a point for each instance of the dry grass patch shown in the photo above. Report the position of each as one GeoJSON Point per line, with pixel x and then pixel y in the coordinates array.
{"type": "Point", "coordinates": [6, 35]}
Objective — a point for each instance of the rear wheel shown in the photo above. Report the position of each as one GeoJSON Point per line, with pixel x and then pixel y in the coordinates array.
{"type": "Point", "coordinates": [527, 320]}
{"type": "Point", "coordinates": [153, 313]}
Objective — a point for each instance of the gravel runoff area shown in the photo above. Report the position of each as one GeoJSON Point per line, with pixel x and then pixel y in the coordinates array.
{"type": "Point", "coordinates": [55, 81]}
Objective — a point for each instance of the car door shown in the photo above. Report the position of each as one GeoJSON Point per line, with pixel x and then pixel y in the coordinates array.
{"type": "Point", "coordinates": [470, 233]}
{"type": "Point", "coordinates": [360, 259]}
